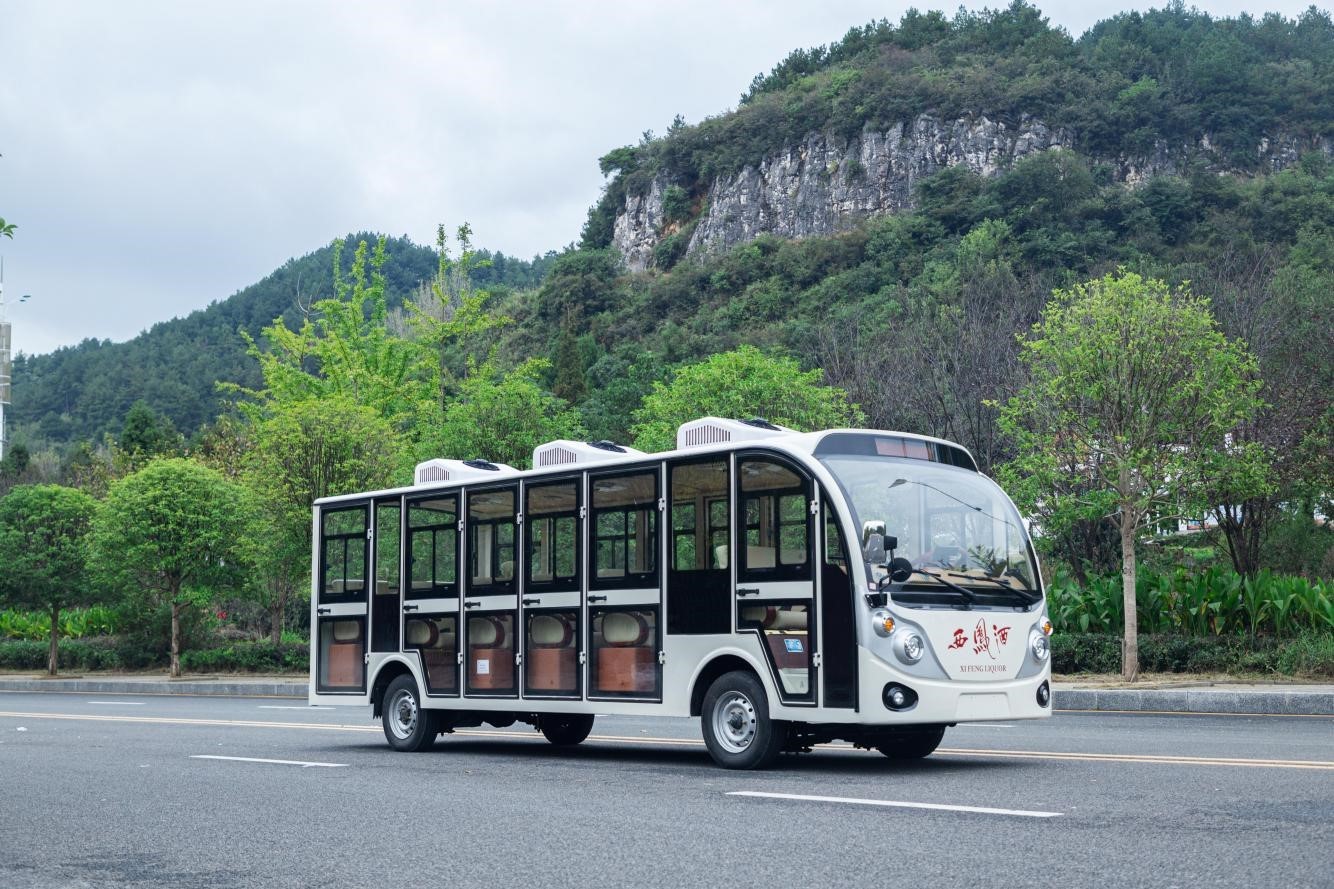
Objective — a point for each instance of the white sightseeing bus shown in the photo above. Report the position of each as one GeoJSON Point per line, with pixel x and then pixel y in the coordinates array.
{"type": "Point", "coordinates": [788, 588]}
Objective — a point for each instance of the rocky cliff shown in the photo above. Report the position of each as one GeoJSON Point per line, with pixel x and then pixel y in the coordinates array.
{"type": "Point", "coordinates": [827, 183]}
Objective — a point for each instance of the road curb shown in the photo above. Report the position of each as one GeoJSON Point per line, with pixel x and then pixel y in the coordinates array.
{"type": "Point", "coordinates": [208, 687]}
{"type": "Point", "coordinates": [1274, 701]}
{"type": "Point", "coordinates": [1270, 702]}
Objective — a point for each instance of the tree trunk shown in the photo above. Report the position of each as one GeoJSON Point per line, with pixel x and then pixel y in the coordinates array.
{"type": "Point", "coordinates": [1130, 644]}
{"type": "Point", "coordinates": [52, 652]}
{"type": "Point", "coordinates": [176, 640]}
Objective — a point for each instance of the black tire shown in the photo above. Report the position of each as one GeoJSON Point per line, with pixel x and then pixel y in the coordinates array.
{"type": "Point", "coordinates": [565, 729]}
{"type": "Point", "coordinates": [407, 726]}
{"type": "Point", "coordinates": [735, 720]}
{"type": "Point", "coordinates": [913, 744]}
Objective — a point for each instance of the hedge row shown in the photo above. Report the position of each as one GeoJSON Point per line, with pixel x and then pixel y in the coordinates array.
{"type": "Point", "coordinates": [1305, 655]}
{"type": "Point", "coordinates": [111, 654]}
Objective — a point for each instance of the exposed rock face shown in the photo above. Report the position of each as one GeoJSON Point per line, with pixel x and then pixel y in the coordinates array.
{"type": "Point", "coordinates": [827, 184]}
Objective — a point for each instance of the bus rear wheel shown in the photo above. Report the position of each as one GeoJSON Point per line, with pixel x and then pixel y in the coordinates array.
{"type": "Point", "coordinates": [914, 744]}
{"type": "Point", "coordinates": [565, 730]}
{"type": "Point", "coordinates": [407, 726]}
{"type": "Point", "coordinates": [736, 725]}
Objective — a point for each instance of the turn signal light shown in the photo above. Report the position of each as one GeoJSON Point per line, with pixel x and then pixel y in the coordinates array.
{"type": "Point", "coordinates": [1046, 626]}
{"type": "Point", "coordinates": [882, 622]}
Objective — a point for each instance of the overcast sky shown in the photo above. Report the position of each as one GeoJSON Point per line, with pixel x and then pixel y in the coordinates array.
{"type": "Point", "coordinates": [160, 156]}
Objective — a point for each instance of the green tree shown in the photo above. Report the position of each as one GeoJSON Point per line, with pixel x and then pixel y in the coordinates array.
{"type": "Point", "coordinates": [742, 383]}
{"type": "Point", "coordinates": [147, 434]}
{"type": "Point", "coordinates": [7, 228]}
{"type": "Point", "coordinates": [44, 548]}
{"type": "Point", "coordinates": [1132, 393]}
{"type": "Point", "coordinates": [345, 348]}
{"type": "Point", "coordinates": [173, 535]}
{"type": "Point", "coordinates": [303, 451]}
{"type": "Point", "coordinates": [502, 417]}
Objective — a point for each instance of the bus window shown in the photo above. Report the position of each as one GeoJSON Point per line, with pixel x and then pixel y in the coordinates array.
{"type": "Point", "coordinates": [698, 588]}
{"type": "Point", "coordinates": [624, 652]}
{"type": "Point", "coordinates": [491, 542]}
{"type": "Point", "coordinates": [776, 510]}
{"type": "Point", "coordinates": [625, 531]}
{"type": "Point", "coordinates": [344, 564]}
{"type": "Point", "coordinates": [433, 533]}
{"type": "Point", "coordinates": [491, 653]}
{"type": "Point", "coordinates": [435, 639]}
{"type": "Point", "coordinates": [785, 629]}
{"type": "Point", "coordinates": [551, 657]}
{"type": "Point", "coordinates": [551, 519]}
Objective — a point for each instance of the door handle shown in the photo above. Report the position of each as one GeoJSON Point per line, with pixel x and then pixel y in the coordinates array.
{"type": "Point", "coordinates": [471, 604]}
{"type": "Point", "coordinates": [407, 608]}
{"type": "Point", "coordinates": [532, 601]}
{"type": "Point", "coordinates": [747, 591]}
{"type": "Point", "coordinates": [323, 610]}
{"type": "Point", "coordinates": [592, 599]}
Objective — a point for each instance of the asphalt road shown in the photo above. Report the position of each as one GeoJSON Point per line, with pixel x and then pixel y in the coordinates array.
{"type": "Point", "coordinates": [111, 791]}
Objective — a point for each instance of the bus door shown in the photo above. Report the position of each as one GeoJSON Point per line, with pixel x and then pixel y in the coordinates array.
{"type": "Point", "coordinates": [386, 594]}
{"type": "Point", "coordinates": [775, 574]}
{"type": "Point", "coordinates": [624, 613]}
{"type": "Point", "coordinates": [490, 596]}
{"type": "Point", "coordinates": [431, 593]}
{"type": "Point", "coordinates": [550, 604]}
{"type": "Point", "coordinates": [341, 606]}
{"type": "Point", "coordinates": [838, 629]}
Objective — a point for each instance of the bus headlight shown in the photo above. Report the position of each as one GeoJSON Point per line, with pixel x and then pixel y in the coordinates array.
{"type": "Point", "coordinates": [882, 622]}
{"type": "Point", "coordinates": [1039, 644]}
{"type": "Point", "coordinates": [909, 646]}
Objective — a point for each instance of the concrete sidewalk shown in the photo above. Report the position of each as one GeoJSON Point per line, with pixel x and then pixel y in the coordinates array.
{"type": "Point", "coordinates": [1178, 694]}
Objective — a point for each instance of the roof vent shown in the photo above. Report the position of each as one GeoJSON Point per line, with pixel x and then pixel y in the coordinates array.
{"type": "Point", "coordinates": [563, 451]}
{"type": "Point", "coordinates": [458, 470]}
{"type": "Point", "coordinates": [716, 430]}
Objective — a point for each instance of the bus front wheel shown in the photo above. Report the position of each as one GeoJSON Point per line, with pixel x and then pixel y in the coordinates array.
{"type": "Point", "coordinates": [914, 744]}
{"type": "Point", "coordinates": [406, 725]}
{"type": "Point", "coordinates": [735, 720]}
{"type": "Point", "coordinates": [565, 730]}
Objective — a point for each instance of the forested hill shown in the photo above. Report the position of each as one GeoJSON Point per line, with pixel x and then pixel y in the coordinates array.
{"type": "Point", "coordinates": [80, 392]}
{"type": "Point", "coordinates": [846, 131]}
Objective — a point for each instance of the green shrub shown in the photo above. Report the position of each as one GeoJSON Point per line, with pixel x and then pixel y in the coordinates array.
{"type": "Point", "coordinates": [72, 654]}
{"type": "Point", "coordinates": [249, 657]}
{"type": "Point", "coordinates": [1308, 655]}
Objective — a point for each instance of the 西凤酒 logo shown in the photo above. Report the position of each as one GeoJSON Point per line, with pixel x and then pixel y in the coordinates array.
{"type": "Point", "coordinates": [982, 640]}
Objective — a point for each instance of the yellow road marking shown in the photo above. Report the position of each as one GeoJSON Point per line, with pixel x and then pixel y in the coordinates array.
{"type": "Point", "coordinates": [1149, 759]}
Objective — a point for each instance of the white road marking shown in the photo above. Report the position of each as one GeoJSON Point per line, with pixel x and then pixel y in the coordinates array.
{"type": "Point", "coordinates": [287, 707]}
{"type": "Point", "coordinates": [895, 804]}
{"type": "Point", "coordinates": [279, 762]}
{"type": "Point", "coordinates": [983, 725]}
{"type": "Point", "coordinates": [120, 703]}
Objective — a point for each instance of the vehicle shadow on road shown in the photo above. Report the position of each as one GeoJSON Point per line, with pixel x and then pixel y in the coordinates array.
{"type": "Point", "coordinates": [824, 761]}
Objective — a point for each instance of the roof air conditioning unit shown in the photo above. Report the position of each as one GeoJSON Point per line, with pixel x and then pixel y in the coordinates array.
{"type": "Point", "coordinates": [716, 430]}
{"type": "Point", "coordinates": [432, 471]}
{"type": "Point", "coordinates": [563, 451]}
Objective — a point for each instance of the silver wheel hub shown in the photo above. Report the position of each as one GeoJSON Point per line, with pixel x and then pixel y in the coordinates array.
{"type": "Point", "coordinates": [734, 722]}
{"type": "Point", "coordinates": [403, 714]}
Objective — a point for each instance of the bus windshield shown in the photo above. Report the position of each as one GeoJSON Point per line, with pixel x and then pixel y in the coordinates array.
{"type": "Point", "coordinates": [955, 528]}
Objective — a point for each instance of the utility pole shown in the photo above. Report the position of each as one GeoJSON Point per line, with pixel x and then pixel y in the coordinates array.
{"type": "Point", "coordinates": [6, 365]}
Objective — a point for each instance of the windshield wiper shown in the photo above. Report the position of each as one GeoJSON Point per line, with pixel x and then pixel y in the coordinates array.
{"type": "Point", "coordinates": [1028, 595]}
{"type": "Point", "coordinates": [969, 596]}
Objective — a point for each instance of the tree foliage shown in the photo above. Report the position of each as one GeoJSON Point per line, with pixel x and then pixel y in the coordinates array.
{"type": "Point", "coordinates": [44, 549]}
{"type": "Point", "coordinates": [1132, 392]}
{"type": "Point", "coordinates": [742, 383]}
{"type": "Point", "coordinates": [173, 535]}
